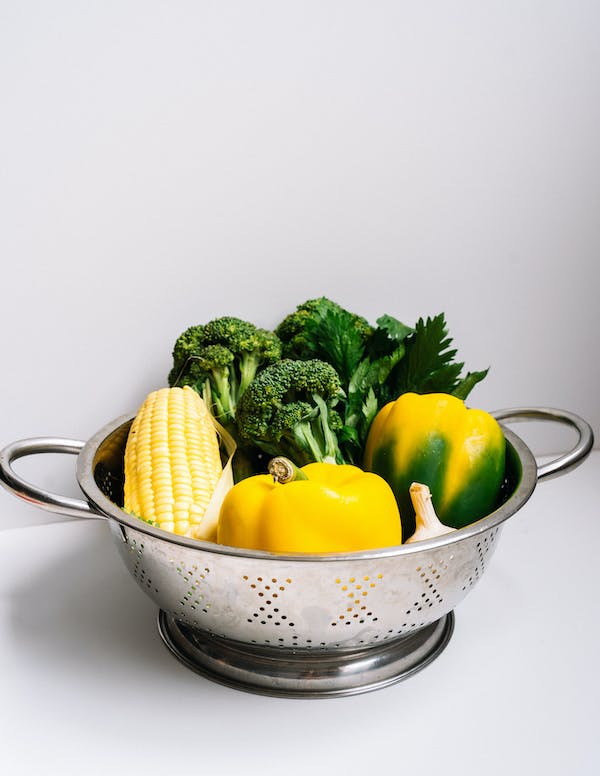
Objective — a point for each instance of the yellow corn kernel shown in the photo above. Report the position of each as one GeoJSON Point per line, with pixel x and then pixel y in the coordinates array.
{"type": "Point", "coordinates": [172, 461]}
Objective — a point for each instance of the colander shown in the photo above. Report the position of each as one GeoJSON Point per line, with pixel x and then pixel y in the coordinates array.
{"type": "Point", "coordinates": [296, 625]}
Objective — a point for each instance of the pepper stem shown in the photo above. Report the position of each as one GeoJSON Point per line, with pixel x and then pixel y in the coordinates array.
{"type": "Point", "coordinates": [283, 470]}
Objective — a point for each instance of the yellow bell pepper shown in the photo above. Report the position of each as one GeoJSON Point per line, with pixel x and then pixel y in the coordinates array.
{"type": "Point", "coordinates": [337, 508]}
{"type": "Point", "coordinates": [436, 440]}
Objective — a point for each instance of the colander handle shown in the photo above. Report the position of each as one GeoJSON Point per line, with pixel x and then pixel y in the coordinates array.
{"type": "Point", "coordinates": [571, 459]}
{"type": "Point", "coordinates": [73, 507]}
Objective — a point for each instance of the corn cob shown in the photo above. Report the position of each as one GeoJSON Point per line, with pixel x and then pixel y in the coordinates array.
{"type": "Point", "coordinates": [172, 461]}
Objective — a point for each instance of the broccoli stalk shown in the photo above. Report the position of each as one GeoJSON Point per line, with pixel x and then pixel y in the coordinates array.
{"type": "Point", "coordinates": [306, 434]}
{"type": "Point", "coordinates": [248, 367]}
{"type": "Point", "coordinates": [288, 409]}
{"type": "Point", "coordinates": [328, 421]}
{"type": "Point", "coordinates": [301, 437]}
{"type": "Point", "coordinates": [218, 378]}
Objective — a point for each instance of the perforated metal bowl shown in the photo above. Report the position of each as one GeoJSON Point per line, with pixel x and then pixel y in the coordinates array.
{"type": "Point", "coordinates": [296, 625]}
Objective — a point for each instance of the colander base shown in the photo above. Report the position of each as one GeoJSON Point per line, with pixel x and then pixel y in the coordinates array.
{"type": "Point", "coordinates": [304, 673]}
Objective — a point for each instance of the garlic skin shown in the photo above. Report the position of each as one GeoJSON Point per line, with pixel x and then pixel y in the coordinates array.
{"type": "Point", "coordinates": [428, 524]}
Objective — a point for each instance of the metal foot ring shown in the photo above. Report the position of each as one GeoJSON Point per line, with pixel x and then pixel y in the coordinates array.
{"type": "Point", "coordinates": [284, 672]}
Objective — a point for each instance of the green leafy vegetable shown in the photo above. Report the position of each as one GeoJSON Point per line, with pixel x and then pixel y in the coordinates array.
{"type": "Point", "coordinates": [375, 365]}
{"type": "Point", "coordinates": [429, 365]}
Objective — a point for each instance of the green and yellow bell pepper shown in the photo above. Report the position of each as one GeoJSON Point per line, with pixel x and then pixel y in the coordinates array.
{"type": "Point", "coordinates": [434, 439]}
{"type": "Point", "coordinates": [334, 508]}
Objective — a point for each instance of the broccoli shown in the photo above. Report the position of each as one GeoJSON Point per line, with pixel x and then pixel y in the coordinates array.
{"type": "Point", "coordinates": [220, 359]}
{"type": "Point", "coordinates": [320, 328]}
{"type": "Point", "coordinates": [362, 355]}
{"type": "Point", "coordinates": [288, 410]}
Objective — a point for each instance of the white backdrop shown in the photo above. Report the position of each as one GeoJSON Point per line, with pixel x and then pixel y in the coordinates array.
{"type": "Point", "coordinates": [168, 162]}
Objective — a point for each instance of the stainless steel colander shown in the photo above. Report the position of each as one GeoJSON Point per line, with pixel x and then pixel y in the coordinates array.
{"type": "Point", "coordinates": [296, 625]}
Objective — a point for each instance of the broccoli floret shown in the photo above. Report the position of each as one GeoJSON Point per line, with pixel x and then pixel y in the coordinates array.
{"type": "Point", "coordinates": [288, 410]}
{"type": "Point", "coordinates": [220, 359]}
{"type": "Point", "coordinates": [321, 328]}
{"type": "Point", "coordinates": [291, 331]}
{"type": "Point", "coordinates": [317, 326]}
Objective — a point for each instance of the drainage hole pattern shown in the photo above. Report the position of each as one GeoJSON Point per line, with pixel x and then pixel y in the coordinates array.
{"type": "Point", "coordinates": [193, 598]}
{"type": "Point", "coordinates": [422, 610]}
{"type": "Point", "coordinates": [484, 547]}
{"type": "Point", "coordinates": [356, 590]}
{"type": "Point", "coordinates": [268, 610]}
{"type": "Point", "coordinates": [136, 550]}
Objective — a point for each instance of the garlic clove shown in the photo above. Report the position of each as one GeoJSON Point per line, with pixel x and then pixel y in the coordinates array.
{"type": "Point", "coordinates": [428, 523]}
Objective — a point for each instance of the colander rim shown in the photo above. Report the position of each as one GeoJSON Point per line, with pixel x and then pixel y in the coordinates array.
{"type": "Point", "coordinates": [521, 494]}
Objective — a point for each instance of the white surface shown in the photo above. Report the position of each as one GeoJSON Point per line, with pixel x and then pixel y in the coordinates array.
{"type": "Point", "coordinates": [88, 687]}
{"type": "Point", "coordinates": [166, 163]}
